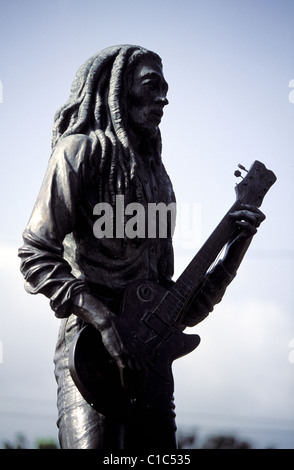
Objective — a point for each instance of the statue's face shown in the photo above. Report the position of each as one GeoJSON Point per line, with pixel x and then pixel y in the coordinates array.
{"type": "Point", "coordinates": [147, 97]}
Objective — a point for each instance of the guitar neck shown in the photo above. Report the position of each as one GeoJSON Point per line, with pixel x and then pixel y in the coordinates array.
{"type": "Point", "coordinates": [182, 291]}
{"type": "Point", "coordinates": [251, 190]}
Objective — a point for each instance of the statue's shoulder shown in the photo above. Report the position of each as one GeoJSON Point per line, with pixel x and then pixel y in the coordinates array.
{"type": "Point", "coordinates": [75, 149]}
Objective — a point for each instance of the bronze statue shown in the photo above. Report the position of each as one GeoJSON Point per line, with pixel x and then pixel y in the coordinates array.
{"type": "Point", "coordinates": [107, 144]}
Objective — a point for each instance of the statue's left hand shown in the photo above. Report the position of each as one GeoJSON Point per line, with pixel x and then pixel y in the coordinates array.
{"type": "Point", "coordinates": [247, 219]}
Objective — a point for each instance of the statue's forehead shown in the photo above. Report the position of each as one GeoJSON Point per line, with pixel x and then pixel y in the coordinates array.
{"type": "Point", "coordinates": [149, 69]}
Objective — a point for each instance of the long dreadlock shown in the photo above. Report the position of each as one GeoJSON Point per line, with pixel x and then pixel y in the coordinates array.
{"type": "Point", "coordinates": [97, 107]}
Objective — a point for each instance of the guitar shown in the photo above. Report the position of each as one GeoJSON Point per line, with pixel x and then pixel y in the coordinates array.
{"type": "Point", "coordinates": [148, 323]}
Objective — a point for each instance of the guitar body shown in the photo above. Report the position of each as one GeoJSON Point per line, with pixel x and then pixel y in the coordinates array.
{"type": "Point", "coordinates": [154, 343]}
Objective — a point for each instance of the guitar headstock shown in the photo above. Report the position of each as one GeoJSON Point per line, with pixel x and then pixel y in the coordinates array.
{"type": "Point", "coordinates": [254, 186]}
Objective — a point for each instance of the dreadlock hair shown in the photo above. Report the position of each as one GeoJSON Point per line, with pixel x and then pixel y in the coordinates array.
{"type": "Point", "coordinates": [97, 106]}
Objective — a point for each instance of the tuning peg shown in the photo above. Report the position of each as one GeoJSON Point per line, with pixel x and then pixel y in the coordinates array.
{"type": "Point", "coordinates": [242, 168]}
{"type": "Point", "coordinates": [238, 174]}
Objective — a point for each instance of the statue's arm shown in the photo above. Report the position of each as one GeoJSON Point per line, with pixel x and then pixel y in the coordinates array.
{"type": "Point", "coordinates": [42, 262]}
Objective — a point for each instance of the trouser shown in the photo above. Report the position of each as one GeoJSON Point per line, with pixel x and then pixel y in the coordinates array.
{"type": "Point", "coordinates": [82, 427]}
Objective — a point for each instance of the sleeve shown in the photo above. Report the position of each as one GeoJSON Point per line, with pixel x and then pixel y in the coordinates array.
{"type": "Point", "coordinates": [209, 293]}
{"type": "Point", "coordinates": [42, 262]}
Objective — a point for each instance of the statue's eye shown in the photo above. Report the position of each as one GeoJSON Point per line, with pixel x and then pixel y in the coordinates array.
{"type": "Point", "coordinates": [150, 84]}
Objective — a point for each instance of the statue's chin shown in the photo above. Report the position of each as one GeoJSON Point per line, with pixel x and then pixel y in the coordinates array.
{"type": "Point", "coordinates": [145, 131]}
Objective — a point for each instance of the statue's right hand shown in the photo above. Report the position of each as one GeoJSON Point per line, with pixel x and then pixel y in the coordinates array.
{"type": "Point", "coordinates": [91, 310]}
{"type": "Point", "coordinates": [128, 365]}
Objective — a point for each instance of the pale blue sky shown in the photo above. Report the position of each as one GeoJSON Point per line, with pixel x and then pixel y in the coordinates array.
{"type": "Point", "coordinates": [228, 64]}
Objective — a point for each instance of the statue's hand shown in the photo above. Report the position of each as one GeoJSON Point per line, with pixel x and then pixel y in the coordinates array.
{"type": "Point", "coordinates": [92, 311]}
{"type": "Point", "coordinates": [127, 363]}
{"type": "Point", "coordinates": [247, 220]}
